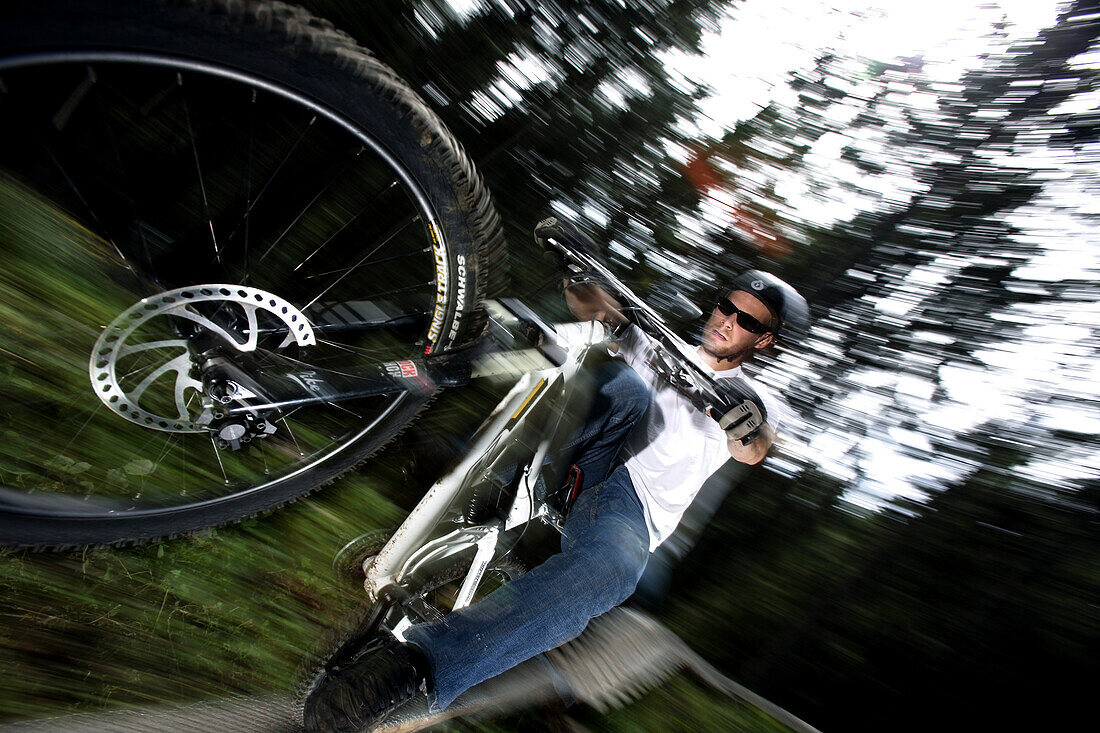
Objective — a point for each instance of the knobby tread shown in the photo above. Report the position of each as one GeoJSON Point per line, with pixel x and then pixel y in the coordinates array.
{"type": "Point", "coordinates": [324, 40]}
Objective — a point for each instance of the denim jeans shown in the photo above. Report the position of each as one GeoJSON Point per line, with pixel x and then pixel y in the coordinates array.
{"type": "Point", "coordinates": [603, 553]}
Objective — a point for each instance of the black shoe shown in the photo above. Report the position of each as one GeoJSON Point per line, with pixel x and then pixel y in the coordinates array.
{"type": "Point", "coordinates": [358, 693]}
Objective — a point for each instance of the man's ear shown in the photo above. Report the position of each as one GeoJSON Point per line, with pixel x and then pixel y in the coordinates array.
{"type": "Point", "coordinates": [764, 341]}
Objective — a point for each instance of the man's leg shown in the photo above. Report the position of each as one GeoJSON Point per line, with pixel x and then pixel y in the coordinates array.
{"type": "Point", "coordinates": [603, 554]}
{"type": "Point", "coordinates": [619, 401]}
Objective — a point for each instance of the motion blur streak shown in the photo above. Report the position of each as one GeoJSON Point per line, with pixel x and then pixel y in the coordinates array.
{"type": "Point", "coordinates": [921, 552]}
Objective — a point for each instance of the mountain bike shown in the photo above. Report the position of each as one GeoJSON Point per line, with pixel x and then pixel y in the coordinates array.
{"type": "Point", "coordinates": [240, 255]}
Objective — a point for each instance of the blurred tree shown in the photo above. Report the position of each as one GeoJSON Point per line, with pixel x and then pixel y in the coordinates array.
{"type": "Point", "coordinates": [566, 102]}
{"type": "Point", "coordinates": [973, 603]}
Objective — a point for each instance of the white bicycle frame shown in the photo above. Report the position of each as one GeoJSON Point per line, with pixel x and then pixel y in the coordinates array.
{"type": "Point", "coordinates": [409, 549]}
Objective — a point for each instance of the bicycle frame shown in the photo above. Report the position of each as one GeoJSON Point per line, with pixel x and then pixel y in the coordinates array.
{"type": "Point", "coordinates": [410, 550]}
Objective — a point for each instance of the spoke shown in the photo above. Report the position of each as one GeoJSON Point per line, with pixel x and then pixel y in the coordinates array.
{"type": "Point", "coordinates": [138, 370]}
{"type": "Point", "coordinates": [272, 177]}
{"type": "Point", "coordinates": [78, 432]}
{"type": "Point", "coordinates": [344, 226]}
{"type": "Point", "coordinates": [263, 455]}
{"type": "Point", "coordinates": [292, 362]}
{"type": "Point", "coordinates": [12, 354]}
{"type": "Point", "coordinates": [88, 207]}
{"type": "Point", "coordinates": [365, 257]}
{"type": "Point", "coordinates": [182, 383]}
{"type": "Point", "coordinates": [291, 432]}
{"type": "Point", "coordinates": [248, 186]}
{"type": "Point", "coordinates": [308, 206]}
{"type": "Point", "coordinates": [164, 451]}
{"type": "Point", "coordinates": [156, 464]}
{"type": "Point", "coordinates": [61, 118]}
{"type": "Point", "coordinates": [130, 188]}
{"type": "Point", "coordinates": [183, 466]}
{"type": "Point", "coordinates": [198, 170]}
{"type": "Point", "coordinates": [417, 253]}
{"type": "Point", "coordinates": [352, 349]}
{"type": "Point", "coordinates": [217, 454]}
{"type": "Point", "coordinates": [408, 289]}
{"type": "Point", "coordinates": [338, 406]}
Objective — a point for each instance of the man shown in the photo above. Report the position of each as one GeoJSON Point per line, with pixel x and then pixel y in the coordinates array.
{"type": "Point", "coordinates": [630, 504]}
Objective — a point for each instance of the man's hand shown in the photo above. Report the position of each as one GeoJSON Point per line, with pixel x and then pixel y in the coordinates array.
{"type": "Point", "coordinates": [755, 451]}
{"type": "Point", "coordinates": [590, 302]}
{"type": "Point", "coordinates": [742, 416]}
{"type": "Point", "coordinates": [741, 421]}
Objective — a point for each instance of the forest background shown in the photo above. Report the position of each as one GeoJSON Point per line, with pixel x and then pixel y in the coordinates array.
{"type": "Point", "coordinates": [923, 549]}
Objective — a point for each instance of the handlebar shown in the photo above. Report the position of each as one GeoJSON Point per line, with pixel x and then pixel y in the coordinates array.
{"type": "Point", "coordinates": [676, 361]}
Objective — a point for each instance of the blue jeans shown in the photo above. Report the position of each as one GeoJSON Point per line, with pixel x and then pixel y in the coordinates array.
{"type": "Point", "coordinates": [603, 553]}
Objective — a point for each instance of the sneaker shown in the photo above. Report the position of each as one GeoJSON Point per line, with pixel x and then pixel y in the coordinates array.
{"type": "Point", "coordinates": [358, 693]}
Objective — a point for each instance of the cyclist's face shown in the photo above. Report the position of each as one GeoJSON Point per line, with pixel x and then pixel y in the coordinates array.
{"type": "Point", "coordinates": [723, 338]}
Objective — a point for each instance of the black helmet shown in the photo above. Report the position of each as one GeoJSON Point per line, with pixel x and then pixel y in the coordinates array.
{"type": "Point", "coordinates": [789, 307]}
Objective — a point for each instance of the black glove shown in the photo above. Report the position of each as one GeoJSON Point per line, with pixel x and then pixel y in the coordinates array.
{"type": "Point", "coordinates": [558, 239]}
{"type": "Point", "coordinates": [739, 410]}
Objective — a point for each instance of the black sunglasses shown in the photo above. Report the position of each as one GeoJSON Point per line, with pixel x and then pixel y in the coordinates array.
{"type": "Point", "coordinates": [744, 320]}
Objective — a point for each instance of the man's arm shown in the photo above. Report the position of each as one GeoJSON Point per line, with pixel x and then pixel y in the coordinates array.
{"type": "Point", "coordinates": [590, 302]}
{"type": "Point", "coordinates": [755, 451]}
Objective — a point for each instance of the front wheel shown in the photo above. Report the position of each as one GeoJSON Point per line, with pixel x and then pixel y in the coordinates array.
{"type": "Point", "coordinates": [178, 182]}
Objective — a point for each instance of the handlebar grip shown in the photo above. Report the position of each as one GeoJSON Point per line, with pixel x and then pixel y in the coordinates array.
{"type": "Point", "coordinates": [733, 391]}
{"type": "Point", "coordinates": [557, 234]}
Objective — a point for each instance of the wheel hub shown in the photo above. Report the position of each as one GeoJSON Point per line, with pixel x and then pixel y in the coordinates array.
{"type": "Point", "coordinates": [144, 370]}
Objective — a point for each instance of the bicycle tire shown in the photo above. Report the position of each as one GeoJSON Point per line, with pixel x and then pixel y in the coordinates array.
{"type": "Point", "coordinates": [440, 587]}
{"type": "Point", "coordinates": [175, 73]}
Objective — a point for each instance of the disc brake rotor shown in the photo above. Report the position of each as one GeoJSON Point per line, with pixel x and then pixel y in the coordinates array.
{"type": "Point", "coordinates": [141, 368]}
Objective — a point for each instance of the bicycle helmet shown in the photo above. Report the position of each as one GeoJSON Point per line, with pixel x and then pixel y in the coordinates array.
{"type": "Point", "coordinates": [785, 303]}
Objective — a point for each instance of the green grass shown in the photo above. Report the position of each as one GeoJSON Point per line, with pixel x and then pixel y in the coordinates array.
{"type": "Point", "coordinates": [230, 611]}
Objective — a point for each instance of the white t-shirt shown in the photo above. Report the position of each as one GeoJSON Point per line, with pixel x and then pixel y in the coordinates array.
{"type": "Point", "coordinates": [676, 447]}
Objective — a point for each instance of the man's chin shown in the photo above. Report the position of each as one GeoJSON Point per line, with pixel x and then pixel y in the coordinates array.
{"type": "Point", "coordinates": [723, 352]}
{"type": "Point", "coordinates": [712, 349]}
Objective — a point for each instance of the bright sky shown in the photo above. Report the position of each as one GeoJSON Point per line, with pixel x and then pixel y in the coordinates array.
{"type": "Point", "coordinates": [746, 63]}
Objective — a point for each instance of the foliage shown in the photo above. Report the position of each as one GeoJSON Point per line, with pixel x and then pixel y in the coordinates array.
{"type": "Point", "coordinates": [966, 600]}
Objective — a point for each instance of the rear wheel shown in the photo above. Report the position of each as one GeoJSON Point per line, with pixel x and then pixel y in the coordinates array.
{"type": "Point", "coordinates": [428, 599]}
{"type": "Point", "coordinates": [245, 179]}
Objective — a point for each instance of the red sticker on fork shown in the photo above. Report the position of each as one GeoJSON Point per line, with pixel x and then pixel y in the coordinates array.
{"type": "Point", "coordinates": [408, 369]}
